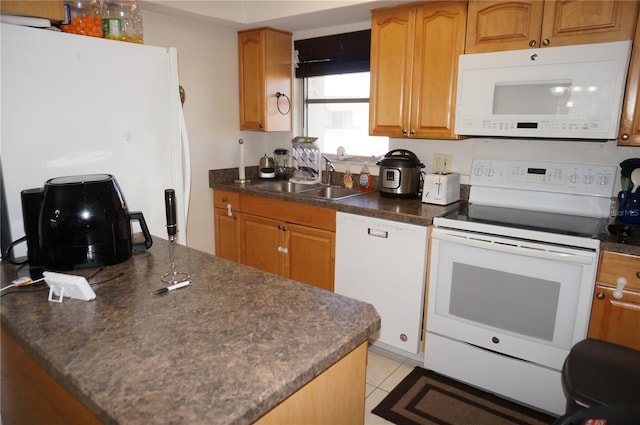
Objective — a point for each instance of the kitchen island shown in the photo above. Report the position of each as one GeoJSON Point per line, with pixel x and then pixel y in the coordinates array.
{"type": "Point", "coordinates": [231, 347]}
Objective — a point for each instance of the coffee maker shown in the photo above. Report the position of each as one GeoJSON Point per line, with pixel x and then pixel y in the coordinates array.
{"type": "Point", "coordinates": [281, 159]}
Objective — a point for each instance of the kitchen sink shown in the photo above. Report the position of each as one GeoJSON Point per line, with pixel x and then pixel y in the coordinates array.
{"type": "Point", "coordinates": [331, 192]}
{"type": "Point", "coordinates": [284, 186]}
{"type": "Point", "coordinates": [313, 191]}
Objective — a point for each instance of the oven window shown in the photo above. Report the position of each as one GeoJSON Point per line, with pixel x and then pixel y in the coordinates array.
{"type": "Point", "coordinates": [517, 303]}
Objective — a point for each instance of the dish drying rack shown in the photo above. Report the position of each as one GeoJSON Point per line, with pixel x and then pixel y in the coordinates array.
{"type": "Point", "coordinates": [307, 157]}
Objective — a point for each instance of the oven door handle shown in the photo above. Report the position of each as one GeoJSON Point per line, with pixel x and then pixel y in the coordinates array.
{"type": "Point", "coordinates": [516, 249]}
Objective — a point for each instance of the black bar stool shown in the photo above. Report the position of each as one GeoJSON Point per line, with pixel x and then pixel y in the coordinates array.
{"type": "Point", "coordinates": [597, 374]}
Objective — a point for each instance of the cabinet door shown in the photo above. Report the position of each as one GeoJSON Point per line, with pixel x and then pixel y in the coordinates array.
{"type": "Point", "coordinates": [261, 241]}
{"type": "Point", "coordinates": [616, 320]}
{"type": "Point", "coordinates": [311, 255]}
{"type": "Point", "coordinates": [503, 25]}
{"type": "Point", "coordinates": [392, 32]}
{"type": "Point", "coordinates": [630, 122]}
{"type": "Point", "coordinates": [583, 22]}
{"type": "Point", "coordinates": [439, 40]}
{"type": "Point", "coordinates": [227, 228]}
{"type": "Point", "coordinates": [251, 67]}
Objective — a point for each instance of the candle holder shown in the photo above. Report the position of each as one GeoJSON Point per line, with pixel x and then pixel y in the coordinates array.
{"type": "Point", "coordinates": [173, 276]}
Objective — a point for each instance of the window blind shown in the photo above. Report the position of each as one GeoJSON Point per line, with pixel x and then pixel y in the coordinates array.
{"type": "Point", "coordinates": [333, 54]}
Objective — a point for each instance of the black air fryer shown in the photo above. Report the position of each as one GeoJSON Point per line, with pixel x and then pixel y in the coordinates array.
{"type": "Point", "coordinates": [84, 222]}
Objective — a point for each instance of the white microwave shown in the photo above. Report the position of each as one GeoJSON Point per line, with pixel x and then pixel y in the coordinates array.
{"type": "Point", "coordinates": [569, 92]}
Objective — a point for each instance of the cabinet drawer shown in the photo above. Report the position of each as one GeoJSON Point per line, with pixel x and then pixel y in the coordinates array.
{"type": "Point", "coordinates": [614, 265]}
{"type": "Point", "coordinates": [222, 198]}
{"type": "Point", "coordinates": [291, 212]}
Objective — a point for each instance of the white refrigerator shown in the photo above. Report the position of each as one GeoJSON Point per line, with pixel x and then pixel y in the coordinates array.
{"type": "Point", "coordinates": [75, 105]}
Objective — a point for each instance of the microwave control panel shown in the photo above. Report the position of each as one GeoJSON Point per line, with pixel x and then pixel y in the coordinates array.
{"type": "Point", "coordinates": [561, 177]}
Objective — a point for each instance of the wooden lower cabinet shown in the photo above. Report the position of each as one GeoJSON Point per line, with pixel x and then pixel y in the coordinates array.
{"type": "Point", "coordinates": [293, 240]}
{"type": "Point", "coordinates": [336, 396]}
{"type": "Point", "coordinates": [227, 224]}
{"type": "Point", "coordinates": [261, 242]}
{"type": "Point", "coordinates": [298, 252]}
{"type": "Point", "coordinates": [311, 255]}
{"type": "Point", "coordinates": [31, 396]}
{"type": "Point", "coordinates": [227, 234]}
{"type": "Point", "coordinates": [617, 319]}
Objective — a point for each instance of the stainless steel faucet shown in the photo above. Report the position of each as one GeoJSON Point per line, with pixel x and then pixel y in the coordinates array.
{"type": "Point", "coordinates": [329, 169]}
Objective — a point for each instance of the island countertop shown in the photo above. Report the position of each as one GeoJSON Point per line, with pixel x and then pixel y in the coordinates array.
{"type": "Point", "coordinates": [224, 350]}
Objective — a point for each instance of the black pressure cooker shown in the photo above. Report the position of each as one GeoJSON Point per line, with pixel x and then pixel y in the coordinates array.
{"type": "Point", "coordinates": [400, 174]}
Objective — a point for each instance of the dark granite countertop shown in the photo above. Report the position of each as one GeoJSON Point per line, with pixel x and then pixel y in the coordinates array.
{"type": "Point", "coordinates": [373, 204]}
{"type": "Point", "coordinates": [224, 350]}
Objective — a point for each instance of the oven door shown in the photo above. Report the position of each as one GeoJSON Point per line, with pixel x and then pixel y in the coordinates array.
{"type": "Point", "coordinates": [519, 298]}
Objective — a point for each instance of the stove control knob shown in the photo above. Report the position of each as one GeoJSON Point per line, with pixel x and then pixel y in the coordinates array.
{"type": "Point", "coordinates": [490, 172]}
{"type": "Point", "coordinates": [588, 179]}
{"type": "Point", "coordinates": [603, 180]}
{"type": "Point", "coordinates": [573, 178]}
{"type": "Point", "coordinates": [478, 171]}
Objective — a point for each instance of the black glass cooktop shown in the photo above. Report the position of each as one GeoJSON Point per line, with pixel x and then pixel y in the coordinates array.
{"type": "Point", "coordinates": [587, 227]}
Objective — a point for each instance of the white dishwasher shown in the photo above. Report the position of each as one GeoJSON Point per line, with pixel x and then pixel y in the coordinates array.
{"type": "Point", "coordinates": [383, 263]}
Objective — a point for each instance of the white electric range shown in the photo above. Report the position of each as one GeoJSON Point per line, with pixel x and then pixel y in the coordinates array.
{"type": "Point", "coordinates": [512, 275]}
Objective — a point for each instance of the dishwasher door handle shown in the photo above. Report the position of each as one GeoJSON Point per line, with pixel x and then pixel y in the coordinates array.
{"type": "Point", "coordinates": [378, 233]}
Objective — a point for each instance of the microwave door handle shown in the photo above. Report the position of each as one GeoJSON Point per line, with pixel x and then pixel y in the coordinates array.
{"type": "Point", "coordinates": [514, 249]}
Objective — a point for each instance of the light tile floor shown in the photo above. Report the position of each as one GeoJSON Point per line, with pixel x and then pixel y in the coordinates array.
{"type": "Point", "coordinates": [384, 371]}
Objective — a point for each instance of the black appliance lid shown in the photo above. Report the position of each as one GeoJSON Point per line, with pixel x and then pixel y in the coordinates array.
{"type": "Point", "coordinates": [564, 224]}
{"type": "Point", "coordinates": [82, 179]}
{"type": "Point", "coordinates": [400, 158]}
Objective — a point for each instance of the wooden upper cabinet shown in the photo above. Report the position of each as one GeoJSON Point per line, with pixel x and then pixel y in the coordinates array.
{"type": "Point", "coordinates": [392, 35]}
{"type": "Point", "coordinates": [630, 121]}
{"type": "Point", "coordinates": [265, 70]}
{"type": "Point", "coordinates": [414, 68]}
{"type": "Point", "coordinates": [46, 9]}
{"type": "Point", "coordinates": [512, 25]}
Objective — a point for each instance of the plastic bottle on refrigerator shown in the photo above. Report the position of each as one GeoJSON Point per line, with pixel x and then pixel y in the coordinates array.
{"type": "Point", "coordinates": [122, 20]}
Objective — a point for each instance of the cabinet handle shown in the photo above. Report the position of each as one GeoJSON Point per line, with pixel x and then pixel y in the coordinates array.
{"type": "Point", "coordinates": [261, 125]}
{"type": "Point", "coordinates": [224, 199]}
{"type": "Point", "coordinates": [283, 250]}
{"type": "Point", "coordinates": [638, 275]}
{"type": "Point", "coordinates": [625, 137]}
{"type": "Point", "coordinates": [546, 42]}
{"type": "Point", "coordinates": [229, 213]}
{"type": "Point", "coordinates": [404, 131]}
{"type": "Point", "coordinates": [601, 295]}
{"type": "Point", "coordinates": [620, 284]}
{"type": "Point", "coordinates": [413, 131]}
{"type": "Point", "coordinates": [532, 43]}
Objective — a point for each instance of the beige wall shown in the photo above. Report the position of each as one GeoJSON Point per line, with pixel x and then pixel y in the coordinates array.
{"type": "Point", "coordinates": [208, 69]}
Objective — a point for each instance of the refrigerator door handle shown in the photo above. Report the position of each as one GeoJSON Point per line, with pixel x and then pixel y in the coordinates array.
{"type": "Point", "coordinates": [186, 160]}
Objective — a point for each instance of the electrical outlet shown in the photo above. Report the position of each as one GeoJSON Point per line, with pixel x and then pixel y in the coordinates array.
{"type": "Point", "coordinates": [442, 162]}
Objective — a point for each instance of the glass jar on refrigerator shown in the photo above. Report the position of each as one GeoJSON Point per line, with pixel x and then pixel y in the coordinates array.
{"type": "Point", "coordinates": [82, 17]}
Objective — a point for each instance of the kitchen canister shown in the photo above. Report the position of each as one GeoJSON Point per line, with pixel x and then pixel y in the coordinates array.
{"type": "Point", "coordinates": [122, 20]}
